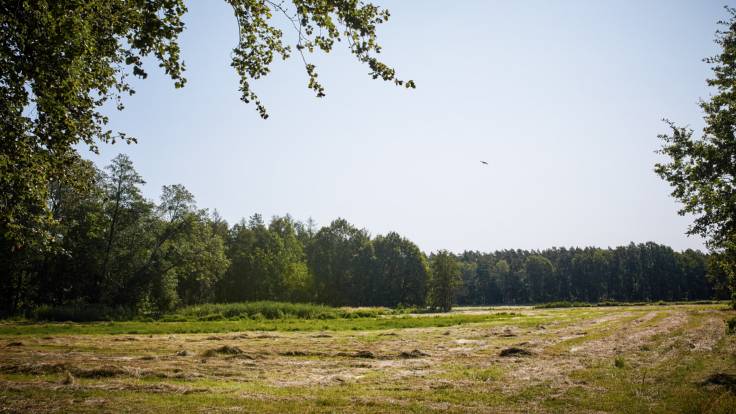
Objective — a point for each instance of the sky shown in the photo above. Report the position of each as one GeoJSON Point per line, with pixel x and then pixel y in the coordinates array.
{"type": "Point", "coordinates": [563, 99]}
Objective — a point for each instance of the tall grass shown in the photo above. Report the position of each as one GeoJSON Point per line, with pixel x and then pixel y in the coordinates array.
{"type": "Point", "coordinates": [261, 310]}
{"type": "Point", "coordinates": [269, 310]}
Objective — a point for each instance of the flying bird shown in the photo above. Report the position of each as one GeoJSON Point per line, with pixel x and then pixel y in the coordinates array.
{"type": "Point", "coordinates": [483, 162]}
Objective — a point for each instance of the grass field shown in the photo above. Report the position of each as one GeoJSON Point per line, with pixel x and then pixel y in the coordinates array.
{"type": "Point", "coordinates": [630, 359]}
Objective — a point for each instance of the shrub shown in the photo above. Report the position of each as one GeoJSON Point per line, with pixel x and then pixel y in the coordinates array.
{"type": "Point", "coordinates": [81, 313]}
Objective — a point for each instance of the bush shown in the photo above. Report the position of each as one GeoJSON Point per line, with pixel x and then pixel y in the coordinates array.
{"type": "Point", "coordinates": [81, 313]}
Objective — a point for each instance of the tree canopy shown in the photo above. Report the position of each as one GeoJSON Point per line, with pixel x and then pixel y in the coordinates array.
{"type": "Point", "coordinates": [62, 60]}
{"type": "Point", "coordinates": [445, 280]}
{"type": "Point", "coordinates": [702, 170]}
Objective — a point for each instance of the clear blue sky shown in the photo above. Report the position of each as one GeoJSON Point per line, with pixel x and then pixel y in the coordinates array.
{"type": "Point", "coordinates": [564, 99]}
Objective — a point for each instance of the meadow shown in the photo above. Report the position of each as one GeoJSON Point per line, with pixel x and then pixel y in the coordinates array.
{"type": "Point", "coordinates": [628, 359]}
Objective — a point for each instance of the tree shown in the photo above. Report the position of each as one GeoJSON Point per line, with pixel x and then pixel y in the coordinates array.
{"type": "Point", "coordinates": [401, 272]}
{"type": "Point", "coordinates": [62, 60]}
{"type": "Point", "coordinates": [702, 171]}
{"type": "Point", "coordinates": [445, 279]}
{"type": "Point", "coordinates": [296, 282]}
{"type": "Point", "coordinates": [539, 273]}
{"type": "Point", "coordinates": [123, 196]}
{"type": "Point", "coordinates": [589, 268]}
{"type": "Point", "coordinates": [505, 277]}
{"type": "Point", "coordinates": [186, 257]}
{"type": "Point", "coordinates": [487, 283]}
{"type": "Point", "coordinates": [128, 218]}
{"type": "Point", "coordinates": [268, 263]}
{"type": "Point", "coordinates": [334, 258]}
{"type": "Point", "coordinates": [29, 276]}
{"type": "Point", "coordinates": [717, 276]}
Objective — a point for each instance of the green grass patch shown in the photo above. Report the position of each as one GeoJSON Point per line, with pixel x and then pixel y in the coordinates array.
{"type": "Point", "coordinates": [493, 373]}
{"type": "Point", "coordinates": [270, 310]}
{"type": "Point", "coordinates": [342, 324]}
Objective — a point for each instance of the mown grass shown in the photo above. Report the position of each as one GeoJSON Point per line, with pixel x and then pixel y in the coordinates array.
{"type": "Point", "coordinates": [332, 399]}
{"type": "Point", "coordinates": [578, 304]}
{"type": "Point", "coordinates": [492, 373]}
{"type": "Point", "coordinates": [598, 331]}
{"type": "Point", "coordinates": [666, 377]}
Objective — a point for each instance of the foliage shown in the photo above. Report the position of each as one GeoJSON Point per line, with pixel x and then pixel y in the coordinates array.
{"type": "Point", "coordinates": [445, 279]}
{"type": "Point", "coordinates": [268, 262]}
{"type": "Point", "coordinates": [337, 256]}
{"type": "Point", "coordinates": [399, 273]}
{"type": "Point", "coordinates": [634, 273]}
{"type": "Point", "coordinates": [61, 61]}
{"type": "Point", "coordinates": [117, 249]}
{"type": "Point", "coordinates": [540, 273]}
{"type": "Point", "coordinates": [701, 170]}
{"type": "Point", "coordinates": [82, 313]}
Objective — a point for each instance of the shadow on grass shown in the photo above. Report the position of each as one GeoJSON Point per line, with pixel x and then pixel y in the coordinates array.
{"type": "Point", "coordinates": [727, 381]}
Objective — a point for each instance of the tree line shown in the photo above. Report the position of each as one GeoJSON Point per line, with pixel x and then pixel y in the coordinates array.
{"type": "Point", "coordinates": [62, 242]}
{"type": "Point", "coordinates": [111, 246]}
{"type": "Point", "coordinates": [633, 273]}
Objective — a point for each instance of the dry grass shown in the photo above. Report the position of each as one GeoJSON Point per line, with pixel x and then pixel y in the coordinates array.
{"type": "Point", "coordinates": [622, 359]}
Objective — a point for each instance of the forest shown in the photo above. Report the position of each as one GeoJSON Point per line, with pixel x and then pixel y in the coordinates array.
{"type": "Point", "coordinates": [111, 248]}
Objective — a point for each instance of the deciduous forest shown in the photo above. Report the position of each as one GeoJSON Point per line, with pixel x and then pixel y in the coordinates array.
{"type": "Point", "coordinates": [117, 250]}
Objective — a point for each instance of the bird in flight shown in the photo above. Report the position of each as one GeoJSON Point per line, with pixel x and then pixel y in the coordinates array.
{"type": "Point", "coordinates": [484, 163]}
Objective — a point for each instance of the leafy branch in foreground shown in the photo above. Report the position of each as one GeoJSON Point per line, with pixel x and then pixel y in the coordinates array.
{"type": "Point", "coordinates": [318, 25]}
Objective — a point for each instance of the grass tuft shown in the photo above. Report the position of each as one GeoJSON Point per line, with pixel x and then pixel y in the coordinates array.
{"type": "Point", "coordinates": [731, 326]}
{"type": "Point", "coordinates": [223, 350]}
